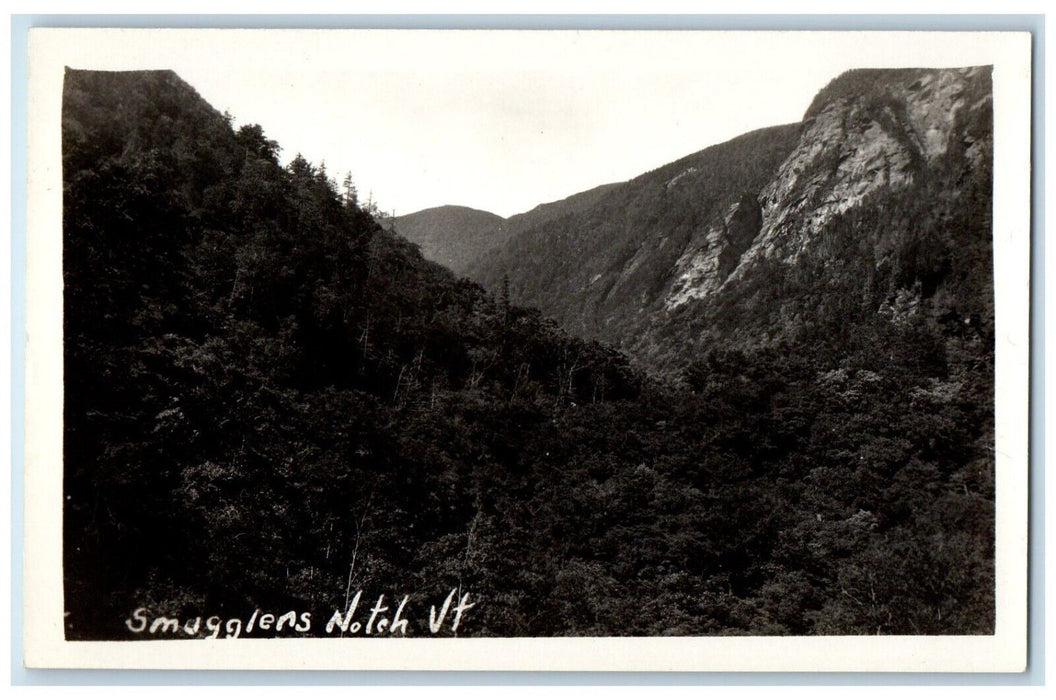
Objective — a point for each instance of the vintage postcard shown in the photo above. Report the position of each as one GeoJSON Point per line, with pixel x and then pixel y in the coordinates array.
{"type": "Point", "coordinates": [527, 350]}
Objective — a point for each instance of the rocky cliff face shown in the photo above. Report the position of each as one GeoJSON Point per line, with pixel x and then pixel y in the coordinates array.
{"type": "Point", "coordinates": [709, 259]}
{"type": "Point", "coordinates": [882, 193]}
{"type": "Point", "coordinates": [605, 270]}
{"type": "Point", "coordinates": [860, 144]}
{"type": "Point", "coordinates": [852, 147]}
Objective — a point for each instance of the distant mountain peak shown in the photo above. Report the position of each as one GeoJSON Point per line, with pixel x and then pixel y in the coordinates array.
{"type": "Point", "coordinates": [451, 208]}
{"type": "Point", "coordinates": [452, 235]}
{"type": "Point", "coordinates": [459, 236]}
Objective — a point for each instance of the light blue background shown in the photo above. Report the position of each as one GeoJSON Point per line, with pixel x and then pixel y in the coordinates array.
{"type": "Point", "coordinates": [1035, 24]}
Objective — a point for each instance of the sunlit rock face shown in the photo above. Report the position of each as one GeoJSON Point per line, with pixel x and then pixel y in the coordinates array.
{"type": "Point", "coordinates": [706, 264]}
{"type": "Point", "coordinates": [752, 232]}
{"type": "Point", "coordinates": [852, 146]}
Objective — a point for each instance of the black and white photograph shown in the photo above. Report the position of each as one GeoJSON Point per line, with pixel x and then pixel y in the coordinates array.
{"type": "Point", "coordinates": [572, 338]}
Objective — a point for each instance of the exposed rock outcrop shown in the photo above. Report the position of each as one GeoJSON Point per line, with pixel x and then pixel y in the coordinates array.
{"type": "Point", "coordinates": [708, 261]}
{"type": "Point", "coordinates": [882, 192]}
{"type": "Point", "coordinates": [855, 145]}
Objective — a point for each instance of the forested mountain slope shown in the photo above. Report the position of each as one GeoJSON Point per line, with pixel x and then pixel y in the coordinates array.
{"type": "Point", "coordinates": [271, 403]}
{"type": "Point", "coordinates": [879, 199]}
{"type": "Point", "coordinates": [456, 237]}
{"type": "Point", "coordinates": [600, 271]}
{"type": "Point", "coordinates": [451, 235]}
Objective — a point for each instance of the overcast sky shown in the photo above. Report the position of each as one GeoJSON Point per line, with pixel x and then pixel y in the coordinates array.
{"type": "Point", "coordinates": [502, 121]}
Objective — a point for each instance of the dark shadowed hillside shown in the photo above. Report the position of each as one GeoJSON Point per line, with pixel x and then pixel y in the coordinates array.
{"type": "Point", "coordinates": [555, 210]}
{"type": "Point", "coordinates": [273, 404]}
{"type": "Point", "coordinates": [603, 271]}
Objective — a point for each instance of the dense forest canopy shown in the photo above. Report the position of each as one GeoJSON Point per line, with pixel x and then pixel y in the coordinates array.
{"type": "Point", "coordinates": [272, 402]}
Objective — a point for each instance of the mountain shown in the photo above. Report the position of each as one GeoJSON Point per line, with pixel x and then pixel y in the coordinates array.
{"type": "Point", "coordinates": [598, 270]}
{"type": "Point", "coordinates": [888, 174]}
{"type": "Point", "coordinates": [271, 402]}
{"type": "Point", "coordinates": [451, 235]}
{"type": "Point", "coordinates": [261, 381]}
{"type": "Point", "coordinates": [555, 210]}
{"type": "Point", "coordinates": [456, 237]}
{"type": "Point", "coordinates": [881, 211]}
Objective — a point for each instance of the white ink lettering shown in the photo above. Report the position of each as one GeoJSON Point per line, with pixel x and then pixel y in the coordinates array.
{"type": "Point", "coordinates": [192, 631]}
{"type": "Point", "coordinates": [397, 621]}
{"type": "Point", "coordinates": [343, 622]}
{"type": "Point", "coordinates": [378, 608]}
{"type": "Point", "coordinates": [463, 606]}
{"type": "Point", "coordinates": [141, 620]}
{"type": "Point", "coordinates": [289, 618]}
{"type": "Point", "coordinates": [436, 623]}
{"type": "Point", "coordinates": [165, 624]}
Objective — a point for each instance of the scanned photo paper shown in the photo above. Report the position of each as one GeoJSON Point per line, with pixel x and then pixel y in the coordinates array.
{"type": "Point", "coordinates": [527, 350]}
